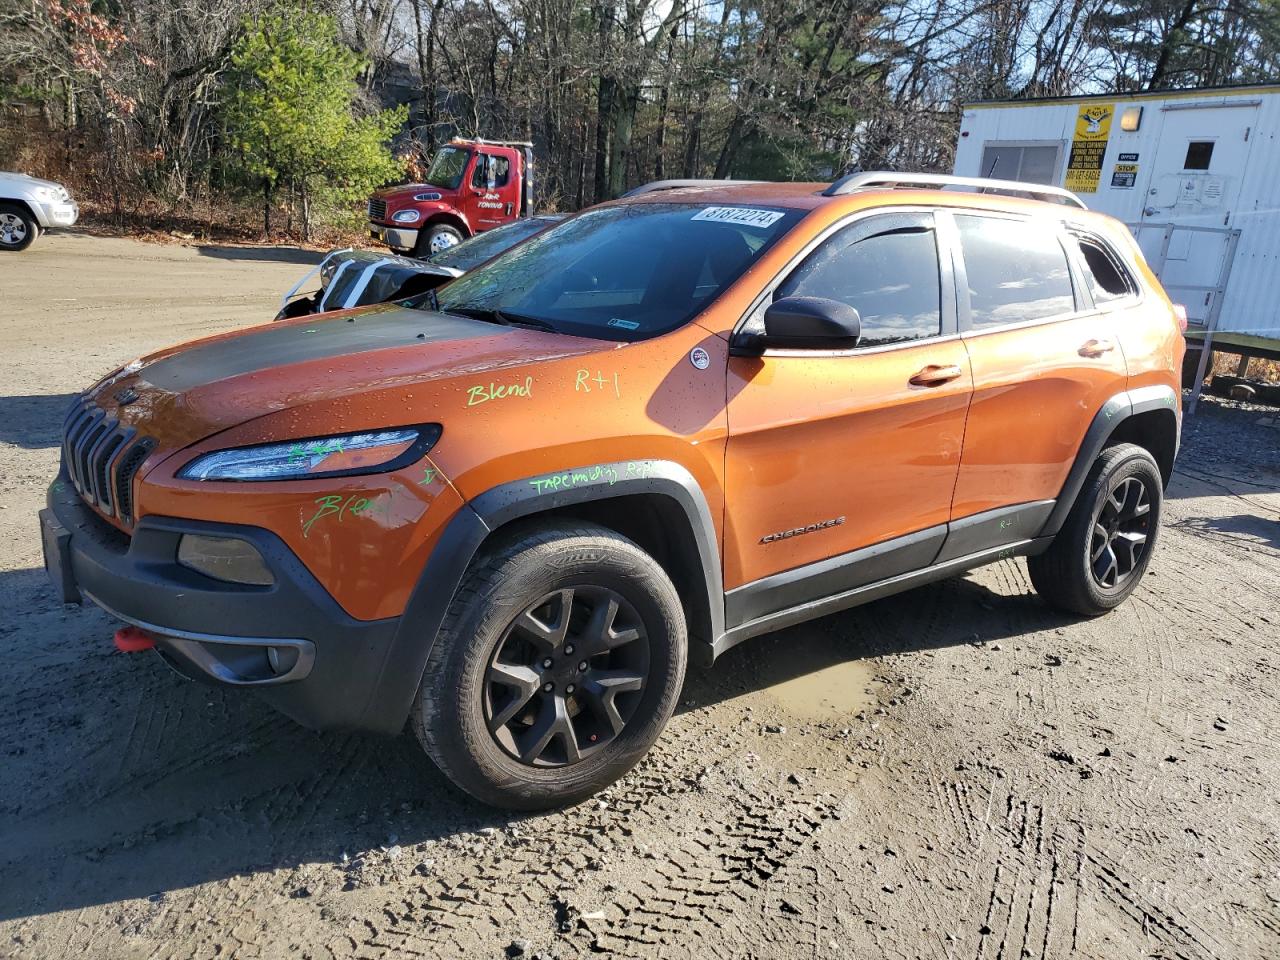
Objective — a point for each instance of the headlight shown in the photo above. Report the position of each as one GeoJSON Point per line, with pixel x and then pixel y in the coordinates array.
{"type": "Point", "coordinates": [45, 193]}
{"type": "Point", "coordinates": [426, 197]}
{"type": "Point", "coordinates": [405, 216]}
{"type": "Point", "coordinates": [341, 456]}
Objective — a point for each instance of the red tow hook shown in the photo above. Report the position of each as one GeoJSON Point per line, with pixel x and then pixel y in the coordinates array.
{"type": "Point", "coordinates": [133, 640]}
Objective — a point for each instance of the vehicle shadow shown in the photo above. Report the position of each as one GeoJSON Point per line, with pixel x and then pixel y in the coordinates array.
{"type": "Point", "coordinates": [954, 612]}
{"type": "Point", "coordinates": [264, 254]}
{"type": "Point", "coordinates": [33, 422]}
{"type": "Point", "coordinates": [123, 780]}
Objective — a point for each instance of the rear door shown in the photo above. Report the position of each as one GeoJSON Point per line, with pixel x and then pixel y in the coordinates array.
{"type": "Point", "coordinates": [830, 451]}
{"type": "Point", "coordinates": [1044, 360]}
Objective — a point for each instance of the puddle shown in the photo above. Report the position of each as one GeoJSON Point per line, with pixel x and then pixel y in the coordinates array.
{"type": "Point", "coordinates": [807, 672]}
{"type": "Point", "coordinates": [822, 690]}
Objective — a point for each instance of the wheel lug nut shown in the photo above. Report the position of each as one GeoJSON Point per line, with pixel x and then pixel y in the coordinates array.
{"type": "Point", "coordinates": [569, 688]}
{"type": "Point", "coordinates": [582, 666]}
{"type": "Point", "coordinates": [548, 687]}
{"type": "Point", "coordinates": [568, 648]}
{"type": "Point", "coordinates": [546, 664]}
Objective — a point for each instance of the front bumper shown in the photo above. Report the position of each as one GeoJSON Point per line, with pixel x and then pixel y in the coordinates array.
{"type": "Point", "coordinates": [327, 665]}
{"type": "Point", "coordinates": [398, 238]}
{"type": "Point", "coordinates": [57, 213]}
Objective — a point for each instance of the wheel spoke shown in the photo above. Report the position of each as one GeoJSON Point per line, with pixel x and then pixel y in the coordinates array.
{"type": "Point", "coordinates": [1101, 538]}
{"type": "Point", "coordinates": [1106, 575]}
{"type": "Point", "coordinates": [548, 636]}
{"type": "Point", "coordinates": [553, 721]}
{"type": "Point", "coordinates": [601, 688]}
{"type": "Point", "coordinates": [1130, 545]}
{"type": "Point", "coordinates": [523, 682]}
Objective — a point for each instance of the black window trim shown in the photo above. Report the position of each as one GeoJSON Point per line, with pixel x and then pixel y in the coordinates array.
{"type": "Point", "coordinates": [946, 278]}
{"type": "Point", "coordinates": [1081, 295]}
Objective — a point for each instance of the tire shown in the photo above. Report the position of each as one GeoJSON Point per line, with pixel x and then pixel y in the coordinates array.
{"type": "Point", "coordinates": [18, 228]}
{"type": "Point", "coordinates": [1096, 560]}
{"type": "Point", "coordinates": [435, 238]}
{"type": "Point", "coordinates": [503, 624]}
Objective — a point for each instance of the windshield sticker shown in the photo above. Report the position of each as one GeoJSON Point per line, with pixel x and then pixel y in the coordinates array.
{"type": "Point", "coordinates": [742, 216]}
{"type": "Point", "coordinates": [624, 324]}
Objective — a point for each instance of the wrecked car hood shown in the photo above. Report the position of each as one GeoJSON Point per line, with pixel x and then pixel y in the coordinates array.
{"type": "Point", "coordinates": [368, 368]}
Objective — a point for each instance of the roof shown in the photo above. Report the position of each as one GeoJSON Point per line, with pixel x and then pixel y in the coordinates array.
{"type": "Point", "coordinates": [796, 196]}
{"type": "Point", "coordinates": [1164, 94]}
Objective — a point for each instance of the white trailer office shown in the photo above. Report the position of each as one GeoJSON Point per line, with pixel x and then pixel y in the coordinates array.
{"type": "Point", "coordinates": [1195, 174]}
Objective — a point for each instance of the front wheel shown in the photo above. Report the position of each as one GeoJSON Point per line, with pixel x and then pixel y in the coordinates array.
{"type": "Point", "coordinates": [437, 238]}
{"type": "Point", "coordinates": [1104, 548]}
{"type": "Point", "coordinates": [555, 670]}
{"type": "Point", "coordinates": [17, 227]}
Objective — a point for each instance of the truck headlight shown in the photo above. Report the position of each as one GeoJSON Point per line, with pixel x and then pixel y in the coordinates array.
{"type": "Point", "coordinates": [345, 455]}
{"type": "Point", "coordinates": [405, 216]}
{"type": "Point", "coordinates": [47, 194]}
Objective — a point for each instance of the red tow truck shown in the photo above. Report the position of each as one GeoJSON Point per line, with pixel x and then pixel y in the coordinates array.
{"type": "Point", "coordinates": [471, 186]}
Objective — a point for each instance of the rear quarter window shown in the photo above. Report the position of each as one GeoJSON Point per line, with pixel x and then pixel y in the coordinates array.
{"type": "Point", "coordinates": [1108, 278]}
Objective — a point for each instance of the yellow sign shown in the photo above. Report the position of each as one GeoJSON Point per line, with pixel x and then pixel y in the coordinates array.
{"type": "Point", "coordinates": [1088, 146]}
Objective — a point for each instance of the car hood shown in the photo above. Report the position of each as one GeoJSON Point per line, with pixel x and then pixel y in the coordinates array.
{"type": "Point", "coordinates": [370, 368]}
{"type": "Point", "coordinates": [405, 191]}
{"type": "Point", "coordinates": [26, 182]}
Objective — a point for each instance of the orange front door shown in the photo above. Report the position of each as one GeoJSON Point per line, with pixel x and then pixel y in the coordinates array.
{"type": "Point", "coordinates": [831, 452]}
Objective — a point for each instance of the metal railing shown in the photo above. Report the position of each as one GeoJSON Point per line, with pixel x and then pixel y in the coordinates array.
{"type": "Point", "coordinates": [1216, 291]}
{"type": "Point", "coordinates": [936, 181]}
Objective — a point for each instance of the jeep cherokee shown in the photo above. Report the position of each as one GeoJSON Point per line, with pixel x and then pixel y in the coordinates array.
{"type": "Point", "coordinates": [509, 513]}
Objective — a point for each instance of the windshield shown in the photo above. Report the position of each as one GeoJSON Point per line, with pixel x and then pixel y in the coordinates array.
{"type": "Point", "coordinates": [471, 253]}
{"type": "Point", "coordinates": [621, 273]}
{"type": "Point", "coordinates": [447, 168]}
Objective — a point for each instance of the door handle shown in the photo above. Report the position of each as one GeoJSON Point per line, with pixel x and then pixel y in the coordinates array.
{"type": "Point", "coordinates": [935, 376]}
{"type": "Point", "coordinates": [1096, 348]}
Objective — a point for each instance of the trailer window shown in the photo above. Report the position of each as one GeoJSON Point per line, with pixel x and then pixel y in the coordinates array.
{"type": "Point", "coordinates": [1107, 278]}
{"type": "Point", "coordinates": [1199, 153]}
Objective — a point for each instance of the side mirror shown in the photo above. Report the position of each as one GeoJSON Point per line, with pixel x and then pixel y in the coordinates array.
{"type": "Point", "coordinates": [803, 323]}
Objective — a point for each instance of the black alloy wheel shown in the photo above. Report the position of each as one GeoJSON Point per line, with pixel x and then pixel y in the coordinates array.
{"type": "Point", "coordinates": [1120, 533]}
{"type": "Point", "coordinates": [566, 676]}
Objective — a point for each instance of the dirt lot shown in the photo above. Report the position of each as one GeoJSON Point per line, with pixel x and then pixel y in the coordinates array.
{"type": "Point", "coordinates": [957, 772]}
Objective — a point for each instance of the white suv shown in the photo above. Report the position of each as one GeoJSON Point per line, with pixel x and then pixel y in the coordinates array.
{"type": "Point", "coordinates": [28, 205]}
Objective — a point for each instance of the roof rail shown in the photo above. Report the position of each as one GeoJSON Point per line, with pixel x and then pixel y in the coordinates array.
{"type": "Point", "coordinates": [657, 185]}
{"type": "Point", "coordinates": [880, 178]}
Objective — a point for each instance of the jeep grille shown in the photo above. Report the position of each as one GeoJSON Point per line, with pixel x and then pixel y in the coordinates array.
{"type": "Point", "coordinates": [102, 457]}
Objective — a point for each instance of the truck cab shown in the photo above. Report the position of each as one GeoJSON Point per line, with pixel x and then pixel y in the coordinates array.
{"type": "Point", "coordinates": [471, 186]}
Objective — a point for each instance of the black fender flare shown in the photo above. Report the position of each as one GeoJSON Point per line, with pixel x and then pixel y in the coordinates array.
{"type": "Point", "coordinates": [1114, 412]}
{"type": "Point", "coordinates": [476, 520]}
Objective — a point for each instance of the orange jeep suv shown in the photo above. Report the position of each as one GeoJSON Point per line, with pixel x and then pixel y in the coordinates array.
{"type": "Point", "coordinates": [507, 514]}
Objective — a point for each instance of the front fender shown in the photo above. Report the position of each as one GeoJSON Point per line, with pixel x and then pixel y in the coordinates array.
{"type": "Point", "coordinates": [495, 508]}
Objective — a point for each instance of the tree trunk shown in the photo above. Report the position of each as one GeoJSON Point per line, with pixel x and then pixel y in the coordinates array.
{"type": "Point", "coordinates": [623, 125]}
{"type": "Point", "coordinates": [604, 116]}
{"type": "Point", "coordinates": [1168, 44]}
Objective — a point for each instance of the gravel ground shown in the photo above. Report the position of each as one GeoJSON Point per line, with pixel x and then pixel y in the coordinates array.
{"type": "Point", "coordinates": [956, 772]}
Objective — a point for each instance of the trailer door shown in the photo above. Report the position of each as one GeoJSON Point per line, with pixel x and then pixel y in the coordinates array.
{"type": "Point", "coordinates": [1193, 180]}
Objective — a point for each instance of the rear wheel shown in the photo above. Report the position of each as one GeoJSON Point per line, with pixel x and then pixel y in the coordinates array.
{"type": "Point", "coordinates": [18, 228]}
{"type": "Point", "coordinates": [555, 670]}
{"type": "Point", "coordinates": [436, 238]}
{"type": "Point", "coordinates": [1103, 549]}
